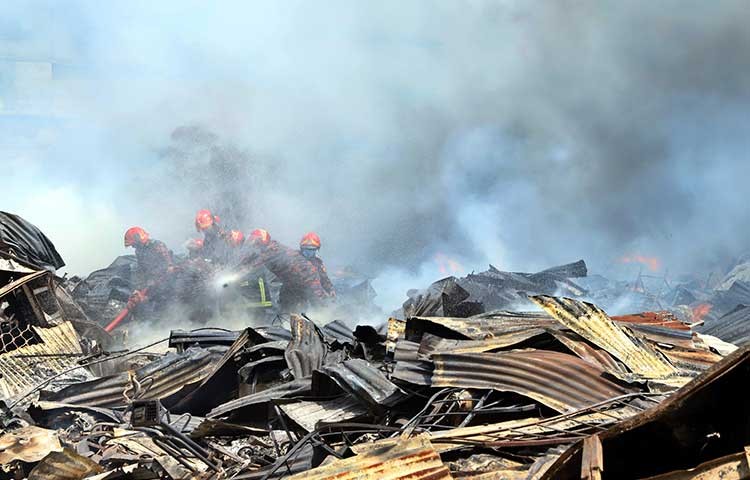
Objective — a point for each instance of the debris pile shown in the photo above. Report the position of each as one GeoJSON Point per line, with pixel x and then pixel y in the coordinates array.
{"type": "Point", "coordinates": [444, 390]}
{"type": "Point", "coordinates": [495, 395]}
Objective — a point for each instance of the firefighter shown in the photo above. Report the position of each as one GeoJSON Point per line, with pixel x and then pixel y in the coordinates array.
{"type": "Point", "coordinates": [154, 263]}
{"type": "Point", "coordinates": [218, 245]}
{"type": "Point", "coordinates": [309, 246]}
{"type": "Point", "coordinates": [301, 285]}
{"type": "Point", "coordinates": [213, 247]}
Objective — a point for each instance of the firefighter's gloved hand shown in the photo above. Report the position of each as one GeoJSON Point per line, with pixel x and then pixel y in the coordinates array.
{"type": "Point", "coordinates": [136, 298]}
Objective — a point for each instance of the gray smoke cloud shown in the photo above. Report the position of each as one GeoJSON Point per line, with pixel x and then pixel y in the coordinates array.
{"type": "Point", "coordinates": [522, 134]}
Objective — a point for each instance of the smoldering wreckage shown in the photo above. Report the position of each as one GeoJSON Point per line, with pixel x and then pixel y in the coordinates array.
{"type": "Point", "coordinates": [460, 383]}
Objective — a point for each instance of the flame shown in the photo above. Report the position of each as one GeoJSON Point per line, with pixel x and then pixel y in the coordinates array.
{"type": "Point", "coordinates": [701, 311]}
{"type": "Point", "coordinates": [448, 265]}
{"type": "Point", "coordinates": [653, 263]}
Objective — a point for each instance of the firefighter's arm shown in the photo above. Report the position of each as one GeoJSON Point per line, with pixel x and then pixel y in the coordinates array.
{"type": "Point", "coordinates": [325, 282]}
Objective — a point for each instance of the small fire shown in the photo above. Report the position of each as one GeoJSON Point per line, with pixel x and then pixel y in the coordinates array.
{"type": "Point", "coordinates": [447, 265]}
{"type": "Point", "coordinates": [653, 263]}
{"type": "Point", "coordinates": [701, 311]}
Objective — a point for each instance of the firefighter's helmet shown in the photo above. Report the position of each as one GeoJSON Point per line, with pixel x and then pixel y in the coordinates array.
{"type": "Point", "coordinates": [310, 240]}
{"type": "Point", "coordinates": [260, 237]}
{"type": "Point", "coordinates": [236, 238]}
{"type": "Point", "coordinates": [135, 236]}
{"type": "Point", "coordinates": [204, 220]}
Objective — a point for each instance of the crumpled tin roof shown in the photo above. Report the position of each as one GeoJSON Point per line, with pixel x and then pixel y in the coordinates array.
{"type": "Point", "coordinates": [560, 381]}
{"type": "Point", "coordinates": [158, 379]}
{"type": "Point", "coordinates": [593, 324]}
{"type": "Point", "coordinates": [413, 459]}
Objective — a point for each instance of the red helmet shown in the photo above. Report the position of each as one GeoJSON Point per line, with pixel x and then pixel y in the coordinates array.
{"type": "Point", "coordinates": [135, 235]}
{"type": "Point", "coordinates": [236, 238]}
{"type": "Point", "coordinates": [260, 237]}
{"type": "Point", "coordinates": [310, 240]}
{"type": "Point", "coordinates": [204, 220]}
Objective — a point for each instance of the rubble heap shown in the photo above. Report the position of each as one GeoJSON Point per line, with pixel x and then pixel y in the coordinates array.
{"type": "Point", "coordinates": [495, 395]}
{"type": "Point", "coordinates": [444, 390]}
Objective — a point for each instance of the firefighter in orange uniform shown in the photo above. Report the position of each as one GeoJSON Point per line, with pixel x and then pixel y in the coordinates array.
{"type": "Point", "coordinates": [301, 285]}
{"type": "Point", "coordinates": [218, 245]}
{"type": "Point", "coordinates": [309, 246]}
{"type": "Point", "coordinates": [155, 263]}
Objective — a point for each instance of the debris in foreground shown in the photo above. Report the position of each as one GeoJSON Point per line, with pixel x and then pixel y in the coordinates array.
{"type": "Point", "coordinates": [444, 391]}
{"type": "Point", "coordinates": [495, 395]}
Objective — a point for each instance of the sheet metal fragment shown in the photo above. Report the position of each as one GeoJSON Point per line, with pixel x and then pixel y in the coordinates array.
{"type": "Point", "coordinates": [594, 325]}
{"type": "Point", "coordinates": [413, 459]}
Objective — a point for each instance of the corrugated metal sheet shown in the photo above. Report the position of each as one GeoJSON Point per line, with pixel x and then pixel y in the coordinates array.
{"type": "Point", "coordinates": [204, 337]}
{"type": "Point", "coordinates": [663, 335]}
{"type": "Point", "coordinates": [274, 333]}
{"type": "Point", "coordinates": [24, 368]}
{"type": "Point", "coordinates": [158, 379]}
{"type": "Point", "coordinates": [661, 319]}
{"type": "Point", "coordinates": [361, 379]}
{"type": "Point", "coordinates": [433, 344]}
{"type": "Point", "coordinates": [251, 402]}
{"type": "Point", "coordinates": [733, 327]}
{"type": "Point", "coordinates": [309, 415]}
{"type": "Point", "coordinates": [593, 355]}
{"type": "Point", "coordinates": [694, 360]}
{"type": "Point", "coordinates": [339, 332]}
{"type": "Point", "coordinates": [306, 349]}
{"type": "Point", "coordinates": [406, 350]}
{"type": "Point", "coordinates": [221, 380]}
{"type": "Point", "coordinates": [560, 381]}
{"type": "Point", "coordinates": [413, 459]}
{"type": "Point", "coordinates": [481, 327]}
{"type": "Point", "coordinates": [561, 426]}
{"type": "Point", "coordinates": [592, 323]}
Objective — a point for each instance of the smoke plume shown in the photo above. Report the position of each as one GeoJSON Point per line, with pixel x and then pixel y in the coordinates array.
{"type": "Point", "coordinates": [522, 134]}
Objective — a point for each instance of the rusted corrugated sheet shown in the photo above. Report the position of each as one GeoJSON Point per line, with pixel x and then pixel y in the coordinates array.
{"type": "Point", "coordinates": [560, 381]}
{"type": "Point", "coordinates": [361, 379]}
{"type": "Point", "coordinates": [158, 379]}
{"type": "Point", "coordinates": [657, 319]}
{"type": "Point", "coordinates": [480, 327]}
{"type": "Point", "coordinates": [413, 459]}
{"type": "Point", "coordinates": [593, 355]}
{"type": "Point", "coordinates": [694, 359]}
{"type": "Point", "coordinates": [309, 415]}
{"type": "Point", "coordinates": [662, 335]}
{"type": "Point", "coordinates": [24, 368]}
{"type": "Point", "coordinates": [593, 324]}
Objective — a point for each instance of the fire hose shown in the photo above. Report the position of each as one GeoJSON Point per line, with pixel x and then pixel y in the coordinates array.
{"type": "Point", "coordinates": [124, 313]}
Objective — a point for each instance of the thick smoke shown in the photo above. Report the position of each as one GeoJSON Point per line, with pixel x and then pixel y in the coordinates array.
{"type": "Point", "coordinates": [517, 133]}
